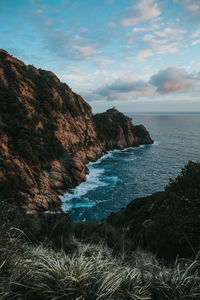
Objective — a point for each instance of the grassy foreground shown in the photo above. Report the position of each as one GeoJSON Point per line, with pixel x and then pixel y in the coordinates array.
{"type": "Point", "coordinates": [44, 257]}
{"type": "Point", "coordinates": [90, 272]}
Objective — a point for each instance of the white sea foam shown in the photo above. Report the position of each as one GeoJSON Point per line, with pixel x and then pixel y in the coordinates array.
{"type": "Point", "coordinates": [85, 202]}
{"type": "Point", "coordinates": [117, 150]}
{"type": "Point", "coordinates": [111, 179]}
{"type": "Point", "coordinates": [132, 158]}
{"type": "Point", "coordinates": [92, 182]}
{"type": "Point", "coordinates": [109, 154]}
{"type": "Point", "coordinates": [95, 179]}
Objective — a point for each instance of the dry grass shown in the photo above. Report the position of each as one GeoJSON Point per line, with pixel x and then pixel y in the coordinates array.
{"type": "Point", "coordinates": [92, 272]}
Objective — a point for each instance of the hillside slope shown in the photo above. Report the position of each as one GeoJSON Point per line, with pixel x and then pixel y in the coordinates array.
{"type": "Point", "coordinates": [48, 134]}
{"type": "Point", "coordinates": [166, 223]}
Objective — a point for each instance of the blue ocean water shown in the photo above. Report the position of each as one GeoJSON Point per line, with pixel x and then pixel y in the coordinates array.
{"type": "Point", "coordinates": [121, 176]}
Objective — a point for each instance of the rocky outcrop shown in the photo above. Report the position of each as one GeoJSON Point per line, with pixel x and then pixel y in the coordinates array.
{"type": "Point", "coordinates": [116, 131]}
{"type": "Point", "coordinates": [48, 134]}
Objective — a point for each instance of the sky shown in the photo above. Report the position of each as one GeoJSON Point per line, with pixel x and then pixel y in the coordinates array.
{"type": "Point", "coordinates": [136, 55]}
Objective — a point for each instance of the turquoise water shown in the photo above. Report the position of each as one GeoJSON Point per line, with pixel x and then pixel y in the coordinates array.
{"type": "Point", "coordinates": [121, 176]}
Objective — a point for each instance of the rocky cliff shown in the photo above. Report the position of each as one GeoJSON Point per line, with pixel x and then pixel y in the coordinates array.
{"type": "Point", "coordinates": [116, 131]}
{"type": "Point", "coordinates": [48, 134]}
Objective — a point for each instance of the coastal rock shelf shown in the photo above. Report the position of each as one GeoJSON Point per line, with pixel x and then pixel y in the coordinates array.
{"type": "Point", "coordinates": [48, 134]}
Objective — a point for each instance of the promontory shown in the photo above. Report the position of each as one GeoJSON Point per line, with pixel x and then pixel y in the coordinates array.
{"type": "Point", "coordinates": [48, 134]}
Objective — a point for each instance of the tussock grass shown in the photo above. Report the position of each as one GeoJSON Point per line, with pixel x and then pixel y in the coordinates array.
{"type": "Point", "coordinates": [93, 272]}
{"type": "Point", "coordinates": [86, 271]}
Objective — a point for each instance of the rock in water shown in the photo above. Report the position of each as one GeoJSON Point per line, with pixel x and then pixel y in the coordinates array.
{"type": "Point", "coordinates": [48, 134]}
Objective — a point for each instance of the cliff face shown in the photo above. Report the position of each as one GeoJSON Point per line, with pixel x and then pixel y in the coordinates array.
{"type": "Point", "coordinates": [48, 134]}
{"type": "Point", "coordinates": [115, 130]}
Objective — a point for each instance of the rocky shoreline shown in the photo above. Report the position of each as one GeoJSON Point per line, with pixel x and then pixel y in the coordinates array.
{"type": "Point", "coordinates": [48, 134]}
{"type": "Point", "coordinates": [150, 223]}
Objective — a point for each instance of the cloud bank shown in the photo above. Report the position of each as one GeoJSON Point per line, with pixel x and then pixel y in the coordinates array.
{"type": "Point", "coordinates": [166, 81]}
{"type": "Point", "coordinates": [173, 79]}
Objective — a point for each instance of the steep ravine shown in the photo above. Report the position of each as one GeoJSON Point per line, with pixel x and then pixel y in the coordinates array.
{"type": "Point", "coordinates": [48, 134]}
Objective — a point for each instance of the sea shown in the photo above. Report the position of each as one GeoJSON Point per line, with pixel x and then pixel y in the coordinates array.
{"type": "Point", "coordinates": [121, 176]}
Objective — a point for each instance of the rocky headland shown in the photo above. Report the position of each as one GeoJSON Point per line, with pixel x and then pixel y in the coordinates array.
{"type": "Point", "coordinates": [48, 134]}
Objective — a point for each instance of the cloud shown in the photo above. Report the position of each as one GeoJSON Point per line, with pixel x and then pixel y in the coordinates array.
{"type": "Point", "coordinates": [142, 55]}
{"type": "Point", "coordinates": [67, 44]}
{"type": "Point", "coordinates": [103, 62]}
{"type": "Point", "coordinates": [143, 11]}
{"type": "Point", "coordinates": [167, 40]}
{"type": "Point", "coordinates": [82, 52]}
{"type": "Point", "coordinates": [196, 42]}
{"type": "Point", "coordinates": [172, 80]}
{"type": "Point", "coordinates": [148, 38]}
{"type": "Point", "coordinates": [84, 82]}
{"type": "Point", "coordinates": [122, 86]}
{"type": "Point", "coordinates": [192, 6]}
{"type": "Point", "coordinates": [38, 11]}
{"type": "Point", "coordinates": [68, 38]}
{"type": "Point", "coordinates": [166, 81]}
{"type": "Point", "coordinates": [171, 33]}
{"type": "Point", "coordinates": [112, 25]}
{"type": "Point", "coordinates": [83, 29]}
{"type": "Point", "coordinates": [196, 36]}
{"type": "Point", "coordinates": [139, 29]}
{"type": "Point", "coordinates": [75, 70]}
{"type": "Point", "coordinates": [165, 48]}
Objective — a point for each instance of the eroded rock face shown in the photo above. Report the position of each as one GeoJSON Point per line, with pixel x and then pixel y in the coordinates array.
{"type": "Point", "coordinates": [48, 134]}
{"type": "Point", "coordinates": [115, 130]}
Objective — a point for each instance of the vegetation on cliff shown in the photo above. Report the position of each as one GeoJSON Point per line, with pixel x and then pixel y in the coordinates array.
{"type": "Point", "coordinates": [117, 131]}
{"type": "Point", "coordinates": [42, 124]}
{"type": "Point", "coordinates": [44, 257]}
{"type": "Point", "coordinates": [166, 223]}
{"type": "Point", "coordinates": [48, 134]}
